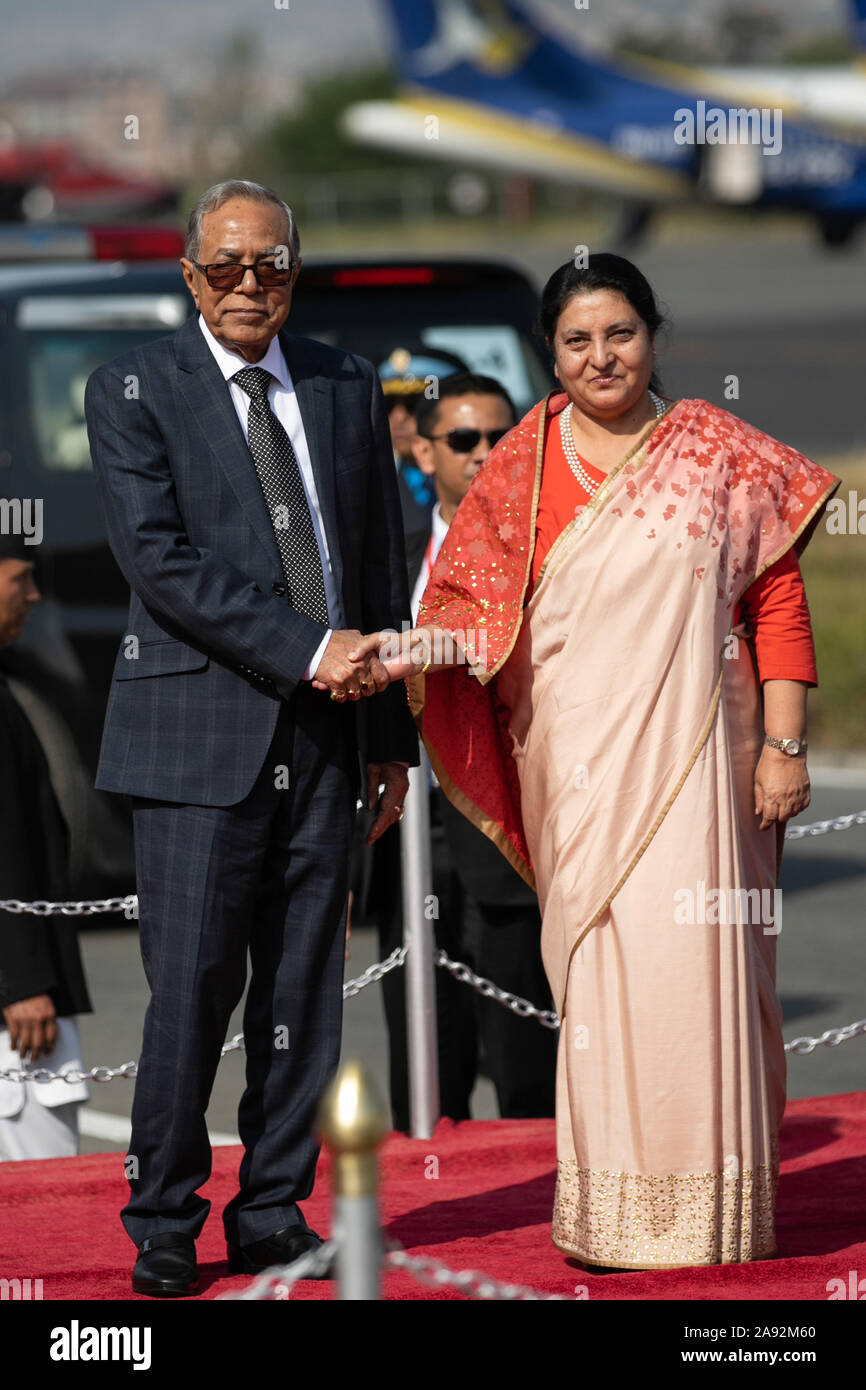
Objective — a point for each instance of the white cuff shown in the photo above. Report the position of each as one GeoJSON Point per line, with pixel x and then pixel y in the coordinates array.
{"type": "Point", "coordinates": [310, 672]}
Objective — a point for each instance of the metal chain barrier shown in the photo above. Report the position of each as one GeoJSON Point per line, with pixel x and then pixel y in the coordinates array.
{"type": "Point", "coordinates": [276, 1283]}
{"type": "Point", "coordinates": [832, 1038]}
{"type": "Point", "coordinates": [129, 904]}
{"type": "Point", "coordinates": [800, 1047]}
{"type": "Point", "coordinates": [821, 827]}
{"type": "Point", "coordinates": [522, 1007]}
{"type": "Point", "coordinates": [548, 1019]}
{"type": "Point", "coordinates": [375, 972]}
{"type": "Point", "coordinates": [129, 1070]}
{"type": "Point", "coordinates": [459, 969]}
{"type": "Point", "coordinates": [435, 1275]}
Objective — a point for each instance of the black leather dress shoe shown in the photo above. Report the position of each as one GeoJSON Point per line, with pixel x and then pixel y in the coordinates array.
{"type": "Point", "coordinates": [166, 1266]}
{"type": "Point", "coordinates": [279, 1249]}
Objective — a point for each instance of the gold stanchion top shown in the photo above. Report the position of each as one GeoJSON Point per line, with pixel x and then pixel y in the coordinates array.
{"type": "Point", "coordinates": [352, 1117]}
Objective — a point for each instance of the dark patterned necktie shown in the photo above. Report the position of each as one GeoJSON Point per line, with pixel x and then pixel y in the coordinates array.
{"type": "Point", "coordinates": [280, 476]}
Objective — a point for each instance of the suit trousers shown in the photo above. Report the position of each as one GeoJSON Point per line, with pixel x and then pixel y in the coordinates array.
{"type": "Point", "coordinates": [267, 876]}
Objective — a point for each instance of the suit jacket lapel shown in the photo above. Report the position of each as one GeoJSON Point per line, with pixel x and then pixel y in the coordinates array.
{"type": "Point", "coordinates": [210, 403]}
{"type": "Point", "coordinates": [206, 393]}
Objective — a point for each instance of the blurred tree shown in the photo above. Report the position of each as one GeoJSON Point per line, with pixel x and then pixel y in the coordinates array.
{"type": "Point", "coordinates": [309, 140]}
{"type": "Point", "coordinates": [663, 43]}
{"type": "Point", "coordinates": [749, 34]}
{"type": "Point", "coordinates": [226, 111]}
{"type": "Point", "coordinates": [742, 34]}
{"type": "Point", "coordinates": [826, 48]}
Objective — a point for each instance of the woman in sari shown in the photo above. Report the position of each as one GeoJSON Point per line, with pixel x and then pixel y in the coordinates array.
{"type": "Point", "coordinates": [610, 675]}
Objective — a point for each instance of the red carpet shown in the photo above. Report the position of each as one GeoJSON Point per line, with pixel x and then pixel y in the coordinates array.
{"type": "Point", "coordinates": [488, 1210]}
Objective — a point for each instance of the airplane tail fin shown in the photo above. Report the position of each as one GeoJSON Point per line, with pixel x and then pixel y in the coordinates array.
{"type": "Point", "coordinates": [435, 36]}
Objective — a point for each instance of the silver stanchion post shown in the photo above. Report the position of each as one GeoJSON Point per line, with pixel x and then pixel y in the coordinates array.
{"type": "Point", "coordinates": [418, 938]}
{"type": "Point", "coordinates": [352, 1121]}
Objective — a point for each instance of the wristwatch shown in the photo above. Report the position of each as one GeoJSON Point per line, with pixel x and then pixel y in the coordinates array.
{"type": "Point", "coordinates": [791, 746]}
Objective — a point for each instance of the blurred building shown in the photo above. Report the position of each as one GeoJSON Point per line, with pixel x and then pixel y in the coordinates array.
{"type": "Point", "coordinates": [91, 110]}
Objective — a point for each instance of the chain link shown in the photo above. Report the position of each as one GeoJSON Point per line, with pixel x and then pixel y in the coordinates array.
{"type": "Point", "coordinates": [832, 1038]}
{"type": "Point", "coordinates": [41, 908]}
{"type": "Point", "coordinates": [129, 904]}
{"type": "Point", "coordinates": [459, 969]}
{"type": "Point", "coordinates": [128, 1071]}
{"type": "Point", "coordinates": [821, 827]}
{"type": "Point", "coordinates": [375, 972]}
{"type": "Point", "coordinates": [522, 1007]}
{"type": "Point", "coordinates": [800, 1046]}
{"type": "Point", "coordinates": [435, 1275]}
{"type": "Point", "coordinates": [277, 1282]}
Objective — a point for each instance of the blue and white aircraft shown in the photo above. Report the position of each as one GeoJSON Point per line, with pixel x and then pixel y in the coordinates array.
{"type": "Point", "coordinates": [507, 84]}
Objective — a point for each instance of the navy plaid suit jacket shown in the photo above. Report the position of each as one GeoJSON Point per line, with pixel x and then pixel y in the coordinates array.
{"type": "Point", "coordinates": [212, 645]}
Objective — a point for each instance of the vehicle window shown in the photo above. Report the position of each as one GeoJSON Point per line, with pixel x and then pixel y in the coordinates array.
{"type": "Point", "coordinates": [62, 341]}
{"type": "Point", "coordinates": [493, 349]}
{"type": "Point", "coordinates": [496, 350]}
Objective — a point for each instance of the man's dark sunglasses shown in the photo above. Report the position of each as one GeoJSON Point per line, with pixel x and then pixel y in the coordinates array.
{"type": "Point", "coordinates": [464, 441]}
{"type": "Point", "coordinates": [227, 275]}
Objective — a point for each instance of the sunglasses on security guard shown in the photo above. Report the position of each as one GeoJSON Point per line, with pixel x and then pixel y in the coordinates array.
{"type": "Point", "coordinates": [463, 441]}
{"type": "Point", "coordinates": [227, 275]}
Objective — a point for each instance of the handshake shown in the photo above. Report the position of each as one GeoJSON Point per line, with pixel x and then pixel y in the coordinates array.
{"type": "Point", "coordinates": [351, 668]}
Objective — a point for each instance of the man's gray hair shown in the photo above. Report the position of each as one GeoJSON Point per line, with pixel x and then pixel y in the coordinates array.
{"type": "Point", "coordinates": [221, 193]}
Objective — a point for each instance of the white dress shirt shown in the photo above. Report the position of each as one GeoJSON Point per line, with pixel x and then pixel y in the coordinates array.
{"type": "Point", "coordinates": [438, 533]}
{"type": "Point", "coordinates": [284, 403]}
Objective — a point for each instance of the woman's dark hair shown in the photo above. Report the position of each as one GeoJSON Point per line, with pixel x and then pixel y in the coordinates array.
{"type": "Point", "coordinates": [603, 271]}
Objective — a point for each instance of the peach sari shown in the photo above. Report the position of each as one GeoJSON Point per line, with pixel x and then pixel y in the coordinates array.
{"type": "Point", "coordinates": [632, 719]}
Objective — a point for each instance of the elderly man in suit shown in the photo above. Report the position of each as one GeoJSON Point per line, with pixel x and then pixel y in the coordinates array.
{"type": "Point", "coordinates": [248, 485]}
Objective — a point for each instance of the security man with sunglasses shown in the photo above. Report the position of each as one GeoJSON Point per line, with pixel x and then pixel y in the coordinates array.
{"type": "Point", "coordinates": [487, 914]}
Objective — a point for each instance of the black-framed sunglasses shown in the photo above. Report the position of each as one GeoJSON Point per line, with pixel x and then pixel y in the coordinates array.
{"type": "Point", "coordinates": [227, 275]}
{"type": "Point", "coordinates": [463, 441]}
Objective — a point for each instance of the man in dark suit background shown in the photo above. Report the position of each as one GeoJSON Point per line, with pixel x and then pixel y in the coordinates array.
{"type": "Point", "coordinates": [42, 984]}
{"type": "Point", "coordinates": [487, 915]}
{"type": "Point", "coordinates": [248, 485]}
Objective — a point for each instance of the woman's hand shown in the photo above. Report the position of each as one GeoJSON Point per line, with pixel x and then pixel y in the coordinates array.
{"type": "Point", "coordinates": [782, 788]}
{"type": "Point", "coordinates": [395, 651]}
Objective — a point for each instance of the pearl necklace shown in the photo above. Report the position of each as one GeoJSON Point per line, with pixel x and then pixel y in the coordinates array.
{"type": "Point", "coordinates": [570, 449]}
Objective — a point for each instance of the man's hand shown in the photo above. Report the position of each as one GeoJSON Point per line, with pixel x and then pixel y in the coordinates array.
{"type": "Point", "coordinates": [32, 1025]}
{"type": "Point", "coordinates": [782, 788]}
{"type": "Point", "coordinates": [396, 780]}
{"type": "Point", "coordinates": [347, 669]}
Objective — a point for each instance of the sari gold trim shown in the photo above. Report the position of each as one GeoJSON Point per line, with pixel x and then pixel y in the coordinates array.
{"type": "Point", "coordinates": [723, 1219]}
{"type": "Point", "coordinates": [480, 821]}
{"type": "Point", "coordinates": [484, 677]}
{"type": "Point", "coordinates": [795, 535]}
{"type": "Point", "coordinates": [473, 813]}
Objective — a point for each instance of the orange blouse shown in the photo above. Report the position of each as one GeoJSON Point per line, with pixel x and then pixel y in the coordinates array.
{"type": "Point", "coordinates": [774, 606]}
